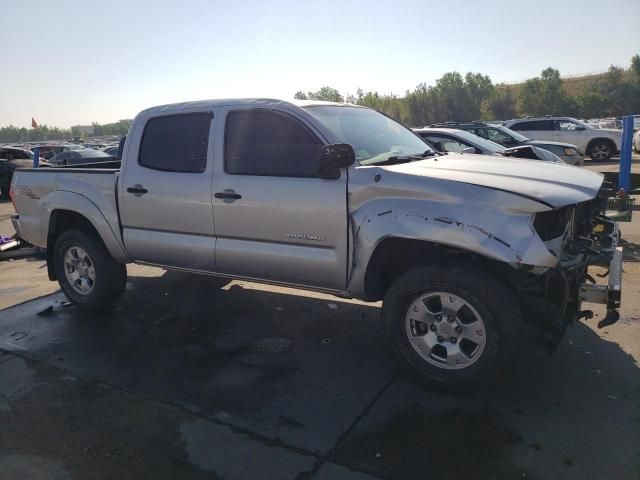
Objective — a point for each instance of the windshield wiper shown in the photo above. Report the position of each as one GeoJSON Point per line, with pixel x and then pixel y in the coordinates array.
{"type": "Point", "coordinates": [395, 159]}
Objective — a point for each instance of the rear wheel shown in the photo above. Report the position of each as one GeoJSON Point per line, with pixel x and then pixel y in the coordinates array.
{"type": "Point", "coordinates": [86, 271]}
{"type": "Point", "coordinates": [453, 326]}
{"type": "Point", "coordinates": [600, 151]}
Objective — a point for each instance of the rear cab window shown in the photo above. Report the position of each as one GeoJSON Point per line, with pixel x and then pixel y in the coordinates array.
{"type": "Point", "coordinates": [176, 143]}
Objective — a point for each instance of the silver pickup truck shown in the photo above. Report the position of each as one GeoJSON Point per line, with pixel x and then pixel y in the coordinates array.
{"type": "Point", "coordinates": [464, 250]}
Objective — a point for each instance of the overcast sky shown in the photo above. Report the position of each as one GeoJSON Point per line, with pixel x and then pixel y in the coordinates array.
{"type": "Point", "coordinates": [68, 62]}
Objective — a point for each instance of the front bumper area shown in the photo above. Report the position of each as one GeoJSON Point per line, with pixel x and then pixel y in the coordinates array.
{"type": "Point", "coordinates": [609, 294]}
{"type": "Point", "coordinates": [554, 300]}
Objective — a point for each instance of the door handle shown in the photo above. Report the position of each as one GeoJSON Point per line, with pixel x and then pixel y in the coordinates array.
{"type": "Point", "coordinates": [137, 190]}
{"type": "Point", "coordinates": [228, 195]}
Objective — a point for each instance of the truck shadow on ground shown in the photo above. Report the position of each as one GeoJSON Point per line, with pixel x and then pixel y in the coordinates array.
{"type": "Point", "coordinates": [315, 374]}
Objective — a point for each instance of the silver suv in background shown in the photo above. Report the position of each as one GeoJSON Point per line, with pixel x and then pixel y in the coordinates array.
{"type": "Point", "coordinates": [598, 143]}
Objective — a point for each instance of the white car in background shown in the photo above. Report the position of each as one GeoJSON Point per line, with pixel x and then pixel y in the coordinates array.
{"type": "Point", "coordinates": [599, 143]}
{"type": "Point", "coordinates": [636, 141]}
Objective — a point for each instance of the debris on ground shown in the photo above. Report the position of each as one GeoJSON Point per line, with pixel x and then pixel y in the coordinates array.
{"type": "Point", "coordinates": [332, 306]}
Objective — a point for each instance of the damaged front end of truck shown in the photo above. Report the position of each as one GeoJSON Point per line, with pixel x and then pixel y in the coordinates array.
{"type": "Point", "coordinates": [580, 236]}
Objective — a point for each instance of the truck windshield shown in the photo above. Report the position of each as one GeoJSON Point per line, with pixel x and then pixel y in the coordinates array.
{"type": "Point", "coordinates": [513, 134]}
{"type": "Point", "coordinates": [373, 136]}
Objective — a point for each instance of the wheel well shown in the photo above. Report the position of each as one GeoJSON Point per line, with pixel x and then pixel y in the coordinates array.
{"type": "Point", "coordinates": [611, 143]}
{"type": "Point", "coordinates": [59, 222]}
{"type": "Point", "coordinates": [394, 256]}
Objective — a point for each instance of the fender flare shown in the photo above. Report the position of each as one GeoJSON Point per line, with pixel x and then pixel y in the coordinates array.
{"type": "Point", "coordinates": [76, 203]}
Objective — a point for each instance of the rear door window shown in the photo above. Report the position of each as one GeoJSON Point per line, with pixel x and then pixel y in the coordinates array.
{"type": "Point", "coordinates": [176, 143]}
{"type": "Point", "coordinates": [533, 125]}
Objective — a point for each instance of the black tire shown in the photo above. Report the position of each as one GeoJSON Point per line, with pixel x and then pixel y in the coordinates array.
{"type": "Point", "coordinates": [110, 275]}
{"type": "Point", "coordinates": [5, 185]}
{"type": "Point", "coordinates": [490, 297]}
{"type": "Point", "coordinates": [601, 151]}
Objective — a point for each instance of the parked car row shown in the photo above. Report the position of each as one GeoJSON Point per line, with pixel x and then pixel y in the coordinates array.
{"type": "Point", "coordinates": [449, 140]}
{"type": "Point", "coordinates": [52, 154]}
{"type": "Point", "coordinates": [509, 138]}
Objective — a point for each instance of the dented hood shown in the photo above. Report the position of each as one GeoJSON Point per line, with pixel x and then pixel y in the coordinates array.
{"type": "Point", "coordinates": [553, 184]}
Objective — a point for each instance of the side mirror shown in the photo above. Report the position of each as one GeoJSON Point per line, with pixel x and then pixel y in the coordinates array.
{"type": "Point", "coordinates": [332, 158]}
{"type": "Point", "coordinates": [580, 128]}
{"type": "Point", "coordinates": [469, 150]}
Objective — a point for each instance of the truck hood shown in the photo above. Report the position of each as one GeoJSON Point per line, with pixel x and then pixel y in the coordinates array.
{"type": "Point", "coordinates": [553, 184]}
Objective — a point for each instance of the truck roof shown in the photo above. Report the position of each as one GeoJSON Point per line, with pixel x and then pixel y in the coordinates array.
{"type": "Point", "coordinates": [245, 102]}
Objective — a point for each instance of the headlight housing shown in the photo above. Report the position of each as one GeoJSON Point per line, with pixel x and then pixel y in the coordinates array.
{"type": "Point", "coordinates": [552, 224]}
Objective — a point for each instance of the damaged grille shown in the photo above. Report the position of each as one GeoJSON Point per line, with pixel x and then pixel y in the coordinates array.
{"type": "Point", "coordinates": [552, 224]}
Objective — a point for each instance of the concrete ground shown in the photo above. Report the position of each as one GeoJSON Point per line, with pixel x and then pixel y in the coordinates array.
{"type": "Point", "coordinates": [191, 377]}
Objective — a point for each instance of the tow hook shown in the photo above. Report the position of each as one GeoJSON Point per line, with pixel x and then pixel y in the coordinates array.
{"type": "Point", "coordinates": [612, 317]}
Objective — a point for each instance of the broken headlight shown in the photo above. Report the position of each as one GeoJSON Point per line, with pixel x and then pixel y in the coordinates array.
{"type": "Point", "coordinates": [553, 223]}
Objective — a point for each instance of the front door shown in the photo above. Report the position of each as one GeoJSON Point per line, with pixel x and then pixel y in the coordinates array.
{"type": "Point", "coordinates": [275, 218]}
{"type": "Point", "coordinates": [165, 193]}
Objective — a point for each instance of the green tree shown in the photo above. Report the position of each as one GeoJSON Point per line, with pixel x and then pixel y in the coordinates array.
{"type": "Point", "coordinates": [327, 94]}
{"type": "Point", "coordinates": [502, 104]}
{"type": "Point", "coordinates": [590, 103]}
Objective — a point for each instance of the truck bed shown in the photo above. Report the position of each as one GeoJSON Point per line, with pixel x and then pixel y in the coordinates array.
{"type": "Point", "coordinates": [35, 190]}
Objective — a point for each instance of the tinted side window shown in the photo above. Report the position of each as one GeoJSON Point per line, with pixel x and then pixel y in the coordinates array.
{"type": "Point", "coordinates": [523, 126]}
{"type": "Point", "coordinates": [538, 125]}
{"type": "Point", "coordinates": [176, 143]}
{"type": "Point", "coordinates": [268, 143]}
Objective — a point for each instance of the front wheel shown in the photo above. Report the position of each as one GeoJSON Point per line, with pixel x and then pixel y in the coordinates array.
{"type": "Point", "coordinates": [453, 326]}
{"type": "Point", "coordinates": [86, 271]}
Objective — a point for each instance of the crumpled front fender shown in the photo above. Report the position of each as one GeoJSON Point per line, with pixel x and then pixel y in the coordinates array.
{"type": "Point", "coordinates": [498, 227]}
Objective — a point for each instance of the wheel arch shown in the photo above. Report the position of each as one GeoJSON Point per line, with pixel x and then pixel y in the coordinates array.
{"type": "Point", "coordinates": [394, 256]}
{"type": "Point", "coordinates": [75, 211]}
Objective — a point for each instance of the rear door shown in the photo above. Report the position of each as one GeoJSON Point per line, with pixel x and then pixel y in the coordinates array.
{"type": "Point", "coordinates": [535, 129]}
{"type": "Point", "coordinates": [275, 218]}
{"type": "Point", "coordinates": [165, 191]}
